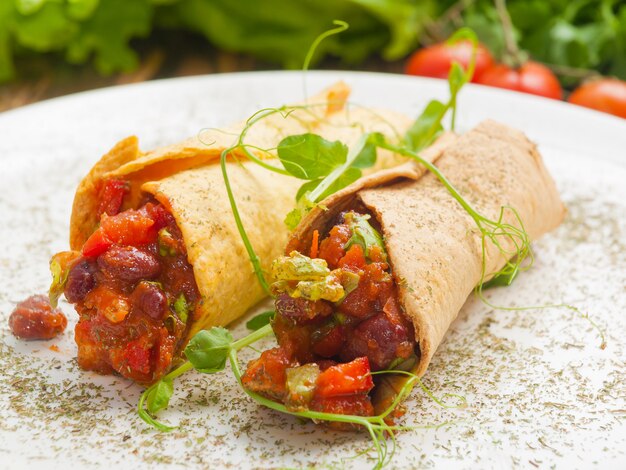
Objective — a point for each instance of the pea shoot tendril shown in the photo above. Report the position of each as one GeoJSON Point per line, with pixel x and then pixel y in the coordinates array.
{"type": "Point", "coordinates": [209, 351]}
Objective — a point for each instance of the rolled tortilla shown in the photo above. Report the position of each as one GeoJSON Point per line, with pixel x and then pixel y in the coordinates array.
{"type": "Point", "coordinates": [433, 245]}
{"type": "Point", "coordinates": [186, 178]}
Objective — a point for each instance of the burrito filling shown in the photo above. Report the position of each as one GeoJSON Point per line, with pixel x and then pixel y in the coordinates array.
{"type": "Point", "coordinates": [133, 288]}
{"type": "Point", "coordinates": [337, 319]}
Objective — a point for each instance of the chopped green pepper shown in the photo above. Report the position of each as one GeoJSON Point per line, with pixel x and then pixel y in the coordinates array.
{"type": "Point", "coordinates": [181, 307]}
{"type": "Point", "coordinates": [301, 386]}
{"type": "Point", "coordinates": [297, 267]}
{"type": "Point", "coordinates": [167, 243]}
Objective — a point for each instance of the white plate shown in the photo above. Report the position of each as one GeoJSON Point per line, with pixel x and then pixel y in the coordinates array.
{"type": "Point", "coordinates": [540, 390]}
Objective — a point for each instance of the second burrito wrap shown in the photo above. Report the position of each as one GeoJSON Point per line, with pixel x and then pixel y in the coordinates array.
{"type": "Point", "coordinates": [374, 279]}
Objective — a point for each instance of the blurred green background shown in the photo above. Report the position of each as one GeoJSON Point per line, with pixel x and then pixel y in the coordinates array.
{"type": "Point", "coordinates": [53, 47]}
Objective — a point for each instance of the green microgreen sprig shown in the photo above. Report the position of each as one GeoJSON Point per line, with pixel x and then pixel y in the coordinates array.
{"type": "Point", "coordinates": [497, 232]}
{"type": "Point", "coordinates": [429, 125]}
{"type": "Point", "coordinates": [330, 166]}
{"type": "Point", "coordinates": [345, 165]}
{"type": "Point", "coordinates": [262, 319]}
{"type": "Point", "coordinates": [208, 352]}
{"type": "Point", "coordinates": [340, 166]}
{"type": "Point", "coordinates": [341, 26]}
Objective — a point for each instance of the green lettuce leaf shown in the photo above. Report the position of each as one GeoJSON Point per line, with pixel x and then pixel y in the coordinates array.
{"type": "Point", "coordinates": [281, 31]}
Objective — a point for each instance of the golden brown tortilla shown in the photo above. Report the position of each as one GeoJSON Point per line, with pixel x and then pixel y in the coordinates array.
{"type": "Point", "coordinates": [187, 179]}
{"type": "Point", "coordinates": [433, 244]}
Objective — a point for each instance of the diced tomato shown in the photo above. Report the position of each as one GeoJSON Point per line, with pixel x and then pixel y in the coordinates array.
{"type": "Point", "coordinates": [112, 305]}
{"type": "Point", "coordinates": [130, 227]}
{"type": "Point", "coordinates": [375, 287]}
{"type": "Point", "coordinates": [345, 379]}
{"type": "Point", "coordinates": [354, 259]}
{"type": "Point", "coordinates": [137, 357]}
{"type": "Point", "coordinates": [355, 405]}
{"type": "Point", "coordinates": [357, 304]}
{"type": "Point", "coordinates": [167, 344]}
{"type": "Point", "coordinates": [332, 247]}
{"type": "Point", "coordinates": [96, 244]}
{"type": "Point", "coordinates": [112, 196]}
{"type": "Point", "coordinates": [267, 375]}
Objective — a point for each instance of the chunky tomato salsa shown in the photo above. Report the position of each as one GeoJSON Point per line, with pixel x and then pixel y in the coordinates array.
{"type": "Point", "coordinates": [337, 319]}
{"type": "Point", "coordinates": [34, 318]}
{"type": "Point", "coordinates": [133, 288]}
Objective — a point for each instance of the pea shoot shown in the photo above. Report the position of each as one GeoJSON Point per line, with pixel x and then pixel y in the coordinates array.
{"type": "Point", "coordinates": [209, 350]}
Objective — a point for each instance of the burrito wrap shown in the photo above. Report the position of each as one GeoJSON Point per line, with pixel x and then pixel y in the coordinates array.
{"type": "Point", "coordinates": [434, 246]}
{"type": "Point", "coordinates": [187, 180]}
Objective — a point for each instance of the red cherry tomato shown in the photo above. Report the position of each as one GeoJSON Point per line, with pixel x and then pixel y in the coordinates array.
{"type": "Point", "coordinates": [267, 375]}
{"type": "Point", "coordinates": [435, 61]}
{"type": "Point", "coordinates": [532, 77]}
{"type": "Point", "coordinates": [607, 95]}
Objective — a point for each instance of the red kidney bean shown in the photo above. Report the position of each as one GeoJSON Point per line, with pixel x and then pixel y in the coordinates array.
{"type": "Point", "coordinates": [149, 299]}
{"type": "Point", "coordinates": [129, 264]}
{"type": "Point", "coordinates": [300, 310]}
{"type": "Point", "coordinates": [80, 281]}
{"type": "Point", "coordinates": [34, 318]}
{"type": "Point", "coordinates": [327, 342]}
{"type": "Point", "coordinates": [378, 339]}
{"type": "Point", "coordinates": [178, 276]}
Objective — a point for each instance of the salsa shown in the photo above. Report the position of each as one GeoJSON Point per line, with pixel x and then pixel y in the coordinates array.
{"type": "Point", "coordinates": [34, 318]}
{"type": "Point", "coordinates": [133, 288]}
{"type": "Point", "coordinates": [337, 319]}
